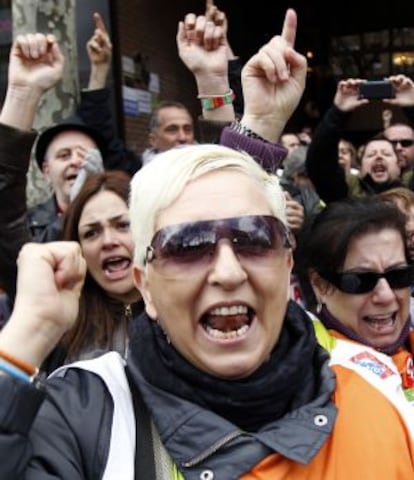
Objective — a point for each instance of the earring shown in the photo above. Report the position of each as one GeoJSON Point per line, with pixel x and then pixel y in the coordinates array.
{"type": "Point", "coordinates": [319, 306]}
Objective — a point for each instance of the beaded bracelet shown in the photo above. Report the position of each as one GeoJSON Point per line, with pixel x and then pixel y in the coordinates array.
{"type": "Point", "coordinates": [211, 102]}
{"type": "Point", "coordinates": [14, 372]}
{"type": "Point", "coordinates": [20, 364]}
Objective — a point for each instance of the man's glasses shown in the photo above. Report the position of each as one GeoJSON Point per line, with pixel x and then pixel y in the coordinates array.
{"type": "Point", "coordinates": [364, 282]}
{"type": "Point", "coordinates": [406, 142]}
{"type": "Point", "coordinates": [176, 249]}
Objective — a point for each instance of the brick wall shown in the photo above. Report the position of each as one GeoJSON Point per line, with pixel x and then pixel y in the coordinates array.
{"type": "Point", "coordinates": [149, 27]}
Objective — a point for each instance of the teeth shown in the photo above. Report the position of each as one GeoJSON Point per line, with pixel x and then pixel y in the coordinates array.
{"type": "Point", "coordinates": [233, 310]}
{"type": "Point", "coordinates": [381, 321]}
{"type": "Point", "coordinates": [380, 317]}
{"type": "Point", "coordinates": [227, 335]}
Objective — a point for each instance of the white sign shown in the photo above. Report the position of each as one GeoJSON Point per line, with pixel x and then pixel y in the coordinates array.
{"type": "Point", "coordinates": [136, 101]}
{"type": "Point", "coordinates": [128, 65]}
{"type": "Point", "coordinates": [154, 83]}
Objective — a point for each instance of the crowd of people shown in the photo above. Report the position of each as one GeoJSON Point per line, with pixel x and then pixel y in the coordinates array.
{"type": "Point", "coordinates": [232, 306]}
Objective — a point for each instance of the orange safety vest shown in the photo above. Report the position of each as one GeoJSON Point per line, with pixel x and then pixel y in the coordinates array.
{"type": "Point", "coordinates": [369, 441]}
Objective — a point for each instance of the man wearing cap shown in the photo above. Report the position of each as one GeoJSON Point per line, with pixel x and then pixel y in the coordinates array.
{"type": "Point", "coordinates": [61, 151]}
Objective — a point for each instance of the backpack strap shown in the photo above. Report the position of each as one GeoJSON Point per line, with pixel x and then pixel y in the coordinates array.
{"type": "Point", "coordinates": [144, 446]}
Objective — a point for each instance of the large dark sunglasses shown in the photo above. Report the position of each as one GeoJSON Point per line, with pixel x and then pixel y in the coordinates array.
{"type": "Point", "coordinates": [364, 282]}
{"type": "Point", "coordinates": [406, 142]}
{"type": "Point", "coordinates": [176, 248]}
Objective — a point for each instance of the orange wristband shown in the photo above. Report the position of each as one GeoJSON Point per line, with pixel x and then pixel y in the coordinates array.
{"type": "Point", "coordinates": [22, 365]}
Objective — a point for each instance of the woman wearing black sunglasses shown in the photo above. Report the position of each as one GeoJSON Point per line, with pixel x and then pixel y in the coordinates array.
{"type": "Point", "coordinates": [357, 259]}
{"type": "Point", "coordinates": [223, 378]}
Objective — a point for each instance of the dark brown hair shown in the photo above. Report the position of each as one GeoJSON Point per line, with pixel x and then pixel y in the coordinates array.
{"type": "Point", "coordinates": [327, 237]}
{"type": "Point", "coordinates": [98, 313]}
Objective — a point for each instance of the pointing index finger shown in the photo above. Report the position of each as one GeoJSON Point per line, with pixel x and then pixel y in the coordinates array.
{"type": "Point", "coordinates": [289, 27]}
{"type": "Point", "coordinates": [99, 23]}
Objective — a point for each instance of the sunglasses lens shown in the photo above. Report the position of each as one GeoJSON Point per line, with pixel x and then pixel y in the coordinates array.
{"type": "Point", "coordinates": [194, 244]}
{"type": "Point", "coordinates": [255, 236]}
{"type": "Point", "coordinates": [400, 278]}
{"type": "Point", "coordinates": [364, 282]}
{"type": "Point", "coordinates": [357, 282]}
{"type": "Point", "coordinates": [404, 143]}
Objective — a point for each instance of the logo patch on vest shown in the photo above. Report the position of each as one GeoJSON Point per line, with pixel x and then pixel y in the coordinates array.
{"type": "Point", "coordinates": [371, 362]}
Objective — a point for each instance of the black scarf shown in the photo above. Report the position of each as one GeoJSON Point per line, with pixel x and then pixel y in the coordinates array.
{"type": "Point", "coordinates": [290, 379]}
{"type": "Point", "coordinates": [372, 187]}
{"type": "Point", "coordinates": [332, 323]}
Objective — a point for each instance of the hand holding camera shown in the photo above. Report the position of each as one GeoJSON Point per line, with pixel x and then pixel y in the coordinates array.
{"type": "Point", "coordinates": [376, 90]}
{"type": "Point", "coordinates": [396, 90]}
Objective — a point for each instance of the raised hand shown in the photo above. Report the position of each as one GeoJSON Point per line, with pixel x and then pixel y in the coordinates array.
{"type": "Point", "coordinates": [50, 278]}
{"type": "Point", "coordinates": [36, 62]}
{"type": "Point", "coordinates": [99, 48]}
{"type": "Point", "coordinates": [273, 82]}
{"type": "Point", "coordinates": [35, 66]}
{"type": "Point", "coordinates": [347, 95]}
{"type": "Point", "coordinates": [201, 47]}
{"type": "Point", "coordinates": [404, 91]}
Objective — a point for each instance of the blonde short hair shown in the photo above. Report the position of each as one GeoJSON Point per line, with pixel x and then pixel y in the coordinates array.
{"type": "Point", "coordinates": [157, 185]}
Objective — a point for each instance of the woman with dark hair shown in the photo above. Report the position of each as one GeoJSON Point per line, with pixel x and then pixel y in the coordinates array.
{"type": "Point", "coordinates": [356, 256]}
{"type": "Point", "coordinates": [98, 220]}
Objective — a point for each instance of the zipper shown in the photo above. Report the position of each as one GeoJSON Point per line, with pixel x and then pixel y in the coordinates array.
{"type": "Point", "coordinates": [128, 318]}
{"type": "Point", "coordinates": [213, 449]}
{"type": "Point", "coordinates": [128, 312]}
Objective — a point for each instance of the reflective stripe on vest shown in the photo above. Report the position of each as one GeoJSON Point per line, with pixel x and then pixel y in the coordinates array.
{"type": "Point", "coordinates": [111, 368]}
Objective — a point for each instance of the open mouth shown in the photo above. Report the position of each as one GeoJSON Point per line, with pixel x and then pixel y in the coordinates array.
{"type": "Point", "coordinates": [116, 267]}
{"type": "Point", "coordinates": [381, 323]}
{"type": "Point", "coordinates": [379, 169]}
{"type": "Point", "coordinates": [228, 323]}
{"type": "Point", "coordinates": [71, 178]}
